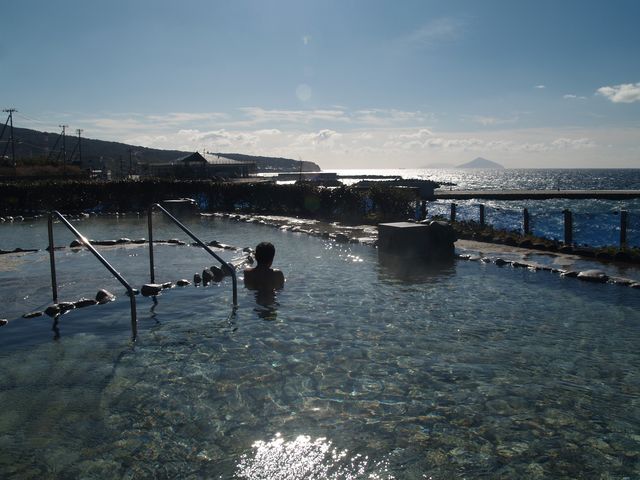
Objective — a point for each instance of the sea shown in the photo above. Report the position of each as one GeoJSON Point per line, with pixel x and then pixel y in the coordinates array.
{"type": "Point", "coordinates": [596, 222]}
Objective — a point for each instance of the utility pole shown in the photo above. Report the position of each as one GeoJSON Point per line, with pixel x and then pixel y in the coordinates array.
{"type": "Point", "coordinates": [130, 164]}
{"type": "Point", "coordinates": [79, 132]}
{"type": "Point", "coordinates": [64, 150]}
{"type": "Point", "coordinates": [11, 138]}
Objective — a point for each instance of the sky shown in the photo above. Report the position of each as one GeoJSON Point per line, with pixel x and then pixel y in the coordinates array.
{"type": "Point", "coordinates": [343, 83]}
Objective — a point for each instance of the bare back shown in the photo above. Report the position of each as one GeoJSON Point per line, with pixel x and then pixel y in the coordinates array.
{"type": "Point", "coordinates": [263, 278]}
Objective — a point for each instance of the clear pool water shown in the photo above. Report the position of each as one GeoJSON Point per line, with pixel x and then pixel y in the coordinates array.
{"type": "Point", "coordinates": [355, 370]}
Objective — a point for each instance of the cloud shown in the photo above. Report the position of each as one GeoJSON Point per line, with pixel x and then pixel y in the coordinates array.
{"type": "Point", "coordinates": [573, 143]}
{"type": "Point", "coordinates": [174, 118]}
{"type": "Point", "coordinates": [489, 121]}
{"type": "Point", "coordinates": [383, 117]}
{"type": "Point", "coordinates": [419, 135]}
{"type": "Point", "coordinates": [324, 136]}
{"type": "Point", "coordinates": [261, 115]}
{"type": "Point", "coordinates": [268, 131]}
{"type": "Point", "coordinates": [571, 96]}
{"type": "Point", "coordinates": [624, 93]}
{"type": "Point", "coordinates": [540, 87]}
{"type": "Point", "coordinates": [220, 138]}
{"type": "Point", "coordinates": [433, 33]}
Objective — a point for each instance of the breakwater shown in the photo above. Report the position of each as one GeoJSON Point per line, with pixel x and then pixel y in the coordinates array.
{"type": "Point", "coordinates": [536, 194]}
{"type": "Point", "coordinates": [578, 227]}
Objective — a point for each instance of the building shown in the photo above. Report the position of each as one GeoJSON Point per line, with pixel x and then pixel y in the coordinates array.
{"type": "Point", "coordinates": [198, 166]}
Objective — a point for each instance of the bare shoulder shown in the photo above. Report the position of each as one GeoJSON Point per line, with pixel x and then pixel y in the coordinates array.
{"type": "Point", "coordinates": [278, 277]}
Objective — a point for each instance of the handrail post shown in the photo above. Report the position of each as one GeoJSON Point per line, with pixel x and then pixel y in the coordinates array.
{"type": "Point", "coordinates": [481, 215]}
{"type": "Point", "coordinates": [623, 228]}
{"type": "Point", "coordinates": [453, 212]}
{"type": "Point", "coordinates": [568, 227]}
{"type": "Point", "coordinates": [150, 226]}
{"type": "Point", "coordinates": [134, 316]}
{"type": "Point", "coordinates": [525, 221]}
{"type": "Point", "coordinates": [52, 260]}
{"type": "Point", "coordinates": [234, 284]}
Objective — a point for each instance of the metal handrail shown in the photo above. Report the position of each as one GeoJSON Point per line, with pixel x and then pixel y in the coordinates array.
{"type": "Point", "coordinates": [82, 239]}
{"type": "Point", "coordinates": [227, 266]}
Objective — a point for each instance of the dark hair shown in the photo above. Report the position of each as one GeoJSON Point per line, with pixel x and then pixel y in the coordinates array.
{"type": "Point", "coordinates": [265, 251]}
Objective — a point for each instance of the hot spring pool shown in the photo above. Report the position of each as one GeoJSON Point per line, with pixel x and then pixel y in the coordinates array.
{"type": "Point", "coordinates": [355, 372]}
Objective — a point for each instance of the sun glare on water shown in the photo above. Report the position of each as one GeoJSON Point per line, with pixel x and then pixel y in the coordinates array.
{"type": "Point", "coordinates": [307, 458]}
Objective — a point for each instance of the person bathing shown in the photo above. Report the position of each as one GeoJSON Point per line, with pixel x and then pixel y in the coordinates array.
{"type": "Point", "coordinates": [262, 276]}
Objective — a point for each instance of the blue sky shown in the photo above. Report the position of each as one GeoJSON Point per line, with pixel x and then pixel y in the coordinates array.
{"type": "Point", "coordinates": [348, 84]}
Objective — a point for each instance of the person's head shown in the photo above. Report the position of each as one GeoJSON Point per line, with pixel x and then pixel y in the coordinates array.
{"type": "Point", "coordinates": [265, 251]}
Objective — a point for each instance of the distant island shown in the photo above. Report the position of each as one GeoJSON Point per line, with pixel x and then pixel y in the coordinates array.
{"type": "Point", "coordinates": [481, 163]}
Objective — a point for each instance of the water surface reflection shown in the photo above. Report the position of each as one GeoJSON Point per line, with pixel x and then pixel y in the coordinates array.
{"type": "Point", "coordinates": [396, 269]}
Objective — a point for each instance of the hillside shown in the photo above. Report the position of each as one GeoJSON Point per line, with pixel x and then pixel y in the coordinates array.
{"type": "Point", "coordinates": [34, 147]}
{"type": "Point", "coordinates": [481, 163]}
{"type": "Point", "coordinates": [274, 164]}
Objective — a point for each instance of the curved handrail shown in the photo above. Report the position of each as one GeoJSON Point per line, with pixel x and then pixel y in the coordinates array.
{"type": "Point", "coordinates": [82, 239]}
{"type": "Point", "coordinates": [227, 266]}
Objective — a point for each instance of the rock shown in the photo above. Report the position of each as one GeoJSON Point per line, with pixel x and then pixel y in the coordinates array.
{"type": "Point", "coordinates": [66, 306]}
{"type": "Point", "coordinates": [604, 256]}
{"type": "Point", "coordinates": [584, 252]}
{"type": "Point", "coordinates": [139, 241]}
{"type": "Point", "coordinates": [197, 278]}
{"type": "Point", "coordinates": [622, 256]}
{"type": "Point", "coordinates": [32, 315]}
{"type": "Point", "coordinates": [84, 302]}
{"type": "Point", "coordinates": [525, 244]}
{"type": "Point", "coordinates": [76, 244]}
{"type": "Point", "coordinates": [250, 260]}
{"type": "Point", "coordinates": [175, 241]}
{"type": "Point", "coordinates": [621, 281]}
{"type": "Point", "coordinates": [485, 260]}
{"type": "Point", "coordinates": [183, 282]}
{"type": "Point", "coordinates": [519, 264]}
{"type": "Point", "coordinates": [52, 310]}
{"type": "Point", "coordinates": [566, 249]}
{"type": "Point", "coordinates": [166, 285]}
{"type": "Point", "coordinates": [104, 296]}
{"type": "Point", "coordinates": [3, 322]}
{"type": "Point", "coordinates": [501, 262]}
{"type": "Point", "coordinates": [569, 274]}
{"type": "Point", "coordinates": [123, 240]}
{"type": "Point", "coordinates": [247, 250]}
{"type": "Point", "coordinates": [635, 285]}
{"type": "Point", "coordinates": [342, 238]}
{"type": "Point", "coordinates": [596, 276]}
{"type": "Point", "coordinates": [510, 241]}
{"type": "Point", "coordinates": [207, 276]}
{"type": "Point", "coordinates": [151, 289]}
{"type": "Point", "coordinates": [104, 243]}
{"type": "Point", "coordinates": [59, 308]}
{"type": "Point", "coordinates": [218, 273]}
